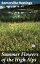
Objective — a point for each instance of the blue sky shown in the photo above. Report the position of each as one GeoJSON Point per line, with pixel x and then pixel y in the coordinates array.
{"type": "Point", "coordinates": [34, 1]}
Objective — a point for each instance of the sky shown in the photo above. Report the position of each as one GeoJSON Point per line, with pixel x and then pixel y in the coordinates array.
{"type": "Point", "coordinates": [34, 1]}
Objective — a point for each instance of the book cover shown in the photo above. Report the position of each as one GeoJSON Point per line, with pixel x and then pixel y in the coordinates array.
{"type": "Point", "coordinates": [19, 31]}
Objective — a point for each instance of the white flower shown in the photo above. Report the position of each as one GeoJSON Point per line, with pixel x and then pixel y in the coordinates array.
{"type": "Point", "coordinates": [33, 45]}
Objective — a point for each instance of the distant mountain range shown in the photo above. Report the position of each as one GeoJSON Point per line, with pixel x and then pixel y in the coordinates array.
{"type": "Point", "coordinates": [33, 6]}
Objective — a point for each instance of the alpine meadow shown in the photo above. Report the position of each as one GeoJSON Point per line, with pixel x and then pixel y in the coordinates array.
{"type": "Point", "coordinates": [19, 36]}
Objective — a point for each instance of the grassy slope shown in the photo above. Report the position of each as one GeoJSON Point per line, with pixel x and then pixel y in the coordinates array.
{"type": "Point", "coordinates": [19, 36]}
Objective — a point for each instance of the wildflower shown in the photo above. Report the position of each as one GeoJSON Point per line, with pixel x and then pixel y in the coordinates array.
{"type": "Point", "coordinates": [33, 45]}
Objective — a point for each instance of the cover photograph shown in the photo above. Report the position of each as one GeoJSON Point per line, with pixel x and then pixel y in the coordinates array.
{"type": "Point", "coordinates": [19, 31]}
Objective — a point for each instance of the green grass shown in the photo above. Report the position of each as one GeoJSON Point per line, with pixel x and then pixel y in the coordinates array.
{"type": "Point", "coordinates": [19, 36]}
